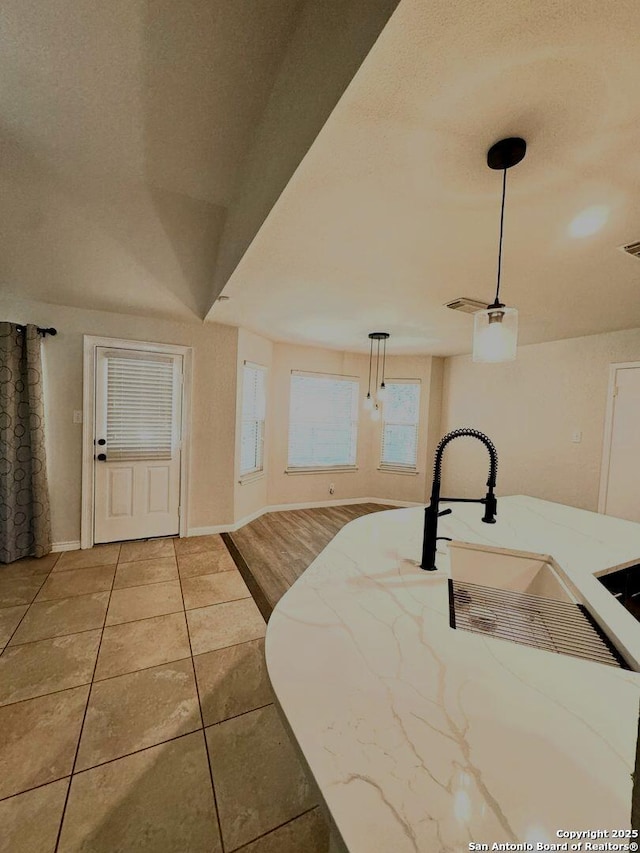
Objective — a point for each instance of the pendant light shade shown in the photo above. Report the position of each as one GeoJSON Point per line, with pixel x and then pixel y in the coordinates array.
{"type": "Point", "coordinates": [368, 403]}
{"type": "Point", "coordinates": [495, 329]}
{"type": "Point", "coordinates": [495, 334]}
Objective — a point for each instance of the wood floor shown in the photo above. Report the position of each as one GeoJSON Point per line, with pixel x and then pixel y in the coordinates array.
{"type": "Point", "coordinates": [275, 549]}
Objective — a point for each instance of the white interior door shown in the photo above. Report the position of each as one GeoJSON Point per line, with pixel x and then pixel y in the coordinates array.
{"type": "Point", "coordinates": [623, 484]}
{"type": "Point", "coordinates": [137, 444]}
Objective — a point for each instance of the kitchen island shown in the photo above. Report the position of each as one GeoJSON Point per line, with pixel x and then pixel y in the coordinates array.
{"type": "Point", "coordinates": [425, 738]}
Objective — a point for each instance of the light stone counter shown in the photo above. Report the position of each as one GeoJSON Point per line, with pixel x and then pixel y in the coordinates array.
{"type": "Point", "coordinates": [424, 738]}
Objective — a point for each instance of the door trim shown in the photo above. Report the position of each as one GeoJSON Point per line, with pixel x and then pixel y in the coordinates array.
{"type": "Point", "coordinates": [608, 430]}
{"type": "Point", "coordinates": [90, 343]}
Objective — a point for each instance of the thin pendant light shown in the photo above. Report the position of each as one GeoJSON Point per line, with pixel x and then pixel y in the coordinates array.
{"type": "Point", "coordinates": [382, 390]}
{"type": "Point", "coordinates": [368, 402]}
{"type": "Point", "coordinates": [372, 404]}
{"type": "Point", "coordinates": [495, 329]}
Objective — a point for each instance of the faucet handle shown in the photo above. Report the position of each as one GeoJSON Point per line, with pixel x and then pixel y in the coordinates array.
{"type": "Point", "coordinates": [445, 512]}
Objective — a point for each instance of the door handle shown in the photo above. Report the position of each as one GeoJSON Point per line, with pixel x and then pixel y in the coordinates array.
{"type": "Point", "coordinates": [101, 457]}
{"type": "Point", "coordinates": [102, 441]}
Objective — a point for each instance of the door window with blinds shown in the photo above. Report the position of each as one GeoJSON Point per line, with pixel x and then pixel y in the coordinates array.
{"type": "Point", "coordinates": [142, 404]}
{"type": "Point", "coordinates": [254, 378]}
{"type": "Point", "coordinates": [323, 422]}
{"type": "Point", "coordinates": [400, 422]}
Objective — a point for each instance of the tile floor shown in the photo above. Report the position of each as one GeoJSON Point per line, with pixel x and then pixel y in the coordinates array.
{"type": "Point", "coordinates": [135, 709]}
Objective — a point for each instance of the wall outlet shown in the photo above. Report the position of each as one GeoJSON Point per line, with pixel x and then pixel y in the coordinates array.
{"type": "Point", "coordinates": [576, 437]}
{"type": "Point", "coordinates": [77, 416]}
{"type": "Point", "coordinates": [332, 488]}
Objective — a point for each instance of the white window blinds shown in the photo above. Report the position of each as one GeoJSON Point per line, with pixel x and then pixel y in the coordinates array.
{"type": "Point", "coordinates": [323, 421]}
{"type": "Point", "coordinates": [253, 413]}
{"type": "Point", "coordinates": [140, 409]}
{"type": "Point", "coordinates": [401, 415]}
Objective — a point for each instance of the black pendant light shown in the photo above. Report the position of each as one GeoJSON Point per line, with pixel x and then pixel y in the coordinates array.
{"type": "Point", "coordinates": [372, 404]}
{"type": "Point", "coordinates": [495, 330]}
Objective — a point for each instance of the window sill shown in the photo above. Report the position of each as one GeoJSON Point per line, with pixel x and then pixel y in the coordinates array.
{"type": "Point", "coordinates": [250, 478]}
{"type": "Point", "coordinates": [337, 469]}
{"type": "Point", "coordinates": [388, 469]}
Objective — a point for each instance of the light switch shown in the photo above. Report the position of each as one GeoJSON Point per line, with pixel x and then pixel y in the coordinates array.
{"type": "Point", "coordinates": [77, 416]}
{"type": "Point", "coordinates": [576, 438]}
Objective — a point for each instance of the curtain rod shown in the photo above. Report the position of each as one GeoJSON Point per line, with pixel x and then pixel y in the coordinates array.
{"type": "Point", "coordinates": [43, 332]}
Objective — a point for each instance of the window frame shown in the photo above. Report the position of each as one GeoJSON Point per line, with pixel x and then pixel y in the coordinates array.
{"type": "Point", "coordinates": [257, 472]}
{"type": "Point", "coordinates": [354, 424]}
{"type": "Point", "coordinates": [396, 467]}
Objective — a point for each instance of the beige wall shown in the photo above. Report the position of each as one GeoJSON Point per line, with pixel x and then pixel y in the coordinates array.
{"type": "Point", "coordinates": [530, 408]}
{"type": "Point", "coordinates": [214, 398]}
{"type": "Point", "coordinates": [216, 495]}
{"type": "Point", "coordinates": [251, 496]}
{"type": "Point", "coordinates": [367, 481]}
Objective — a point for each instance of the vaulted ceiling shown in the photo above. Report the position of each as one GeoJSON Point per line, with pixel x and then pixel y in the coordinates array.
{"type": "Point", "coordinates": [143, 142]}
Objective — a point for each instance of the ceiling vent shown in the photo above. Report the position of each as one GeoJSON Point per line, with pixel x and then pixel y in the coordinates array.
{"type": "Point", "coordinates": [470, 306]}
{"type": "Point", "coordinates": [632, 249]}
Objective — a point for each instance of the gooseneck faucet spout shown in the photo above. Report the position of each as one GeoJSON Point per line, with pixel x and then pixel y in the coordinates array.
{"type": "Point", "coordinates": [431, 513]}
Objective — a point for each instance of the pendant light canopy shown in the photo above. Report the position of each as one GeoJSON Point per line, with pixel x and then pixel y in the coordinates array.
{"type": "Point", "coordinates": [372, 403]}
{"type": "Point", "coordinates": [495, 330]}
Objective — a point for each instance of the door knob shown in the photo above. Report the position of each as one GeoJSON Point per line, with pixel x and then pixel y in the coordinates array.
{"type": "Point", "coordinates": [102, 441]}
{"type": "Point", "coordinates": [101, 457]}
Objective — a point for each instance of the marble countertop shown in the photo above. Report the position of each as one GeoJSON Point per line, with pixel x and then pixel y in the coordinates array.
{"type": "Point", "coordinates": [424, 738]}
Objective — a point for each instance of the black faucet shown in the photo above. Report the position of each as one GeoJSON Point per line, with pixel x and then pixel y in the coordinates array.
{"type": "Point", "coordinates": [431, 513]}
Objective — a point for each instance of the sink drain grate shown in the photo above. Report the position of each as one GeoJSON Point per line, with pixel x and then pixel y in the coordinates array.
{"type": "Point", "coordinates": [544, 623]}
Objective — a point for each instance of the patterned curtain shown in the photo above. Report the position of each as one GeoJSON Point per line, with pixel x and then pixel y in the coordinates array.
{"type": "Point", "coordinates": [25, 526]}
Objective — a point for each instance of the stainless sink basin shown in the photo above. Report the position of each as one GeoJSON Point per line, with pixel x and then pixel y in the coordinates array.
{"type": "Point", "coordinates": [523, 598]}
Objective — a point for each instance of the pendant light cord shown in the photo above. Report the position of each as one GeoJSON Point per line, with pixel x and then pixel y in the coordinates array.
{"type": "Point", "coordinates": [370, 359]}
{"type": "Point", "coordinates": [384, 359]}
{"type": "Point", "coordinates": [504, 192]}
{"type": "Point", "coordinates": [377, 364]}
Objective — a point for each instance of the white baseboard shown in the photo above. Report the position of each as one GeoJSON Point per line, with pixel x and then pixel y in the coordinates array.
{"type": "Point", "coordinates": [65, 546]}
{"type": "Point", "coordinates": [231, 528]}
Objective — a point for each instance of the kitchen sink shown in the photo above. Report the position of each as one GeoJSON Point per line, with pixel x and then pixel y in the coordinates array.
{"type": "Point", "coordinates": [515, 571]}
{"type": "Point", "coordinates": [523, 598]}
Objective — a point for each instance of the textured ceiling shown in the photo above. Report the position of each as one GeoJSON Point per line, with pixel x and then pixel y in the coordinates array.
{"type": "Point", "coordinates": [143, 140]}
{"type": "Point", "coordinates": [393, 211]}
{"type": "Point", "coordinates": [122, 130]}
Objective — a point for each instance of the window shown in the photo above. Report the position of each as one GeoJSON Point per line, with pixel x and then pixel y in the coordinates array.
{"type": "Point", "coordinates": [253, 409]}
{"type": "Point", "coordinates": [401, 414]}
{"type": "Point", "coordinates": [323, 421]}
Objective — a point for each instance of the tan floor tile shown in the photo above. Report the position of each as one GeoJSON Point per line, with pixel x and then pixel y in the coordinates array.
{"type": "Point", "coordinates": [146, 550]}
{"type": "Point", "coordinates": [204, 563]}
{"type": "Point", "coordinates": [197, 544]}
{"type": "Point", "coordinates": [9, 619]}
{"type": "Point", "coordinates": [213, 589]}
{"type": "Point", "coordinates": [259, 780]}
{"type": "Point", "coordinates": [39, 739]}
{"type": "Point", "coordinates": [30, 566]}
{"type": "Point", "coordinates": [99, 555]}
{"type": "Point", "coordinates": [137, 710]}
{"type": "Point", "coordinates": [48, 665]}
{"type": "Point", "coordinates": [309, 833]}
{"type": "Point", "coordinates": [137, 645]}
{"type": "Point", "coordinates": [77, 582]}
{"type": "Point", "coordinates": [64, 616]}
{"type": "Point", "coordinates": [142, 602]}
{"type": "Point", "coordinates": [155, 801]}
{"type": "Point", "coordinates": [30, 821]}
{"type": "Point", "coordinates": [18, 589]}
{"type": "Point", "coordinates": [224, 625]}
{"type": "Point", "coordinates": [232, 681]}
{"type": "Point", "coordinates": [146, 571]}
